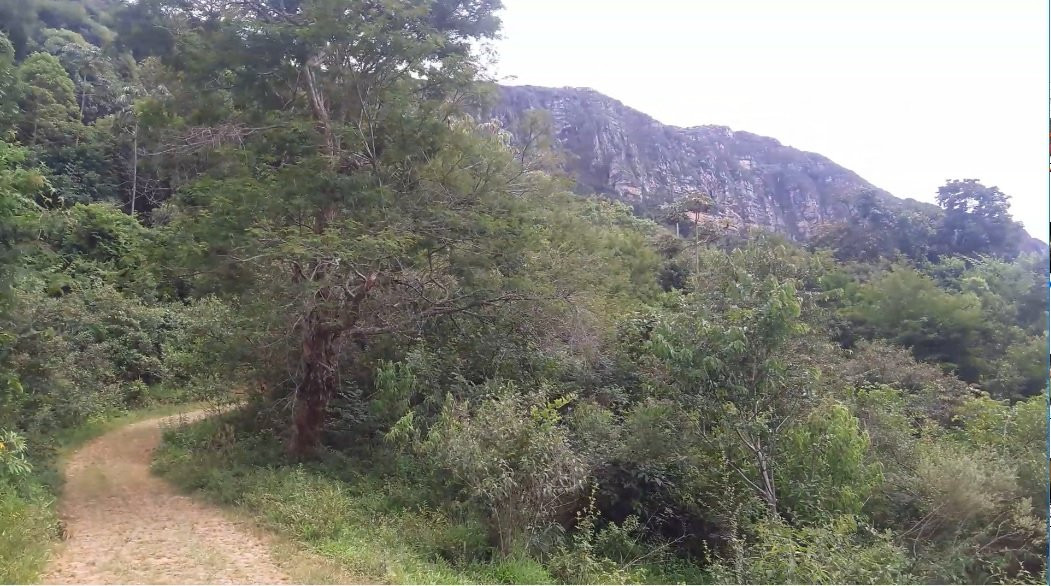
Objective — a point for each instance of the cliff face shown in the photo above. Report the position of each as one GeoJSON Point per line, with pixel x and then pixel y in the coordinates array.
{"type": "Point", "coordinates": [614, 150]}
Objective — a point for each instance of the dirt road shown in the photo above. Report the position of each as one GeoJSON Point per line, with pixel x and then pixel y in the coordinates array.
{"type": "Point", "coordinates": [126, 526]}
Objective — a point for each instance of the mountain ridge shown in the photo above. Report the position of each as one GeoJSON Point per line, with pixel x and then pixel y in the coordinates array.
{"type": "Point", "coordinates": [627, 155]}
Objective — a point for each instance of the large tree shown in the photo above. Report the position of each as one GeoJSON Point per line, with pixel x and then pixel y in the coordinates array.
{"type": "Point", "coordinates": [381, 204]}
{"type": "Point", "coordinates": [47, 99]}
{"type": "Point", "coordinates": [976, 220]}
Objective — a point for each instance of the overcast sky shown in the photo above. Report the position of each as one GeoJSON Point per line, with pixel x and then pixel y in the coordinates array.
{"type": "Point", "coordinates": [907, 93]}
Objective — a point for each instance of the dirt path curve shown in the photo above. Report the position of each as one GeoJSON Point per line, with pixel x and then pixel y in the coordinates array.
{"type": "Point", "coordinates": [126, 526]}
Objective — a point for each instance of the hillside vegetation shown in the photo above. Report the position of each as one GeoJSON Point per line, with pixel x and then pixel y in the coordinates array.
{"type": "Point", "coordinates": [453, 368]}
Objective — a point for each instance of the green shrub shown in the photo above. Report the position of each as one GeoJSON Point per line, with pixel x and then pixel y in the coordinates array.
{"type": "Point", "coordinates": [513, 459]}
{"type": "Point", "coordinates": [14, 464]}
{"type": "Point", "coordinates": [908, 308]}
{"type": "Point", "coordinates": [838, 552]}
{"type": "Point", "coordinates": [826, 467]}
{"type": "Point", "coordinates": [76, 354]}
{"type": "Point", "coordinates": [594, 556]}
{"type": "Point", "coordinates": [200, 351]}
{"type": "Point", "coordinates": [27, 527]}
{"type": "Point", "coordinates": [603, 552]}
{"type": "Point", "coordinates": [27, 522]}
{"type": "Point", "coordinates": [517, 570]}
{"type": "Point", "coordinates": [973, 520]}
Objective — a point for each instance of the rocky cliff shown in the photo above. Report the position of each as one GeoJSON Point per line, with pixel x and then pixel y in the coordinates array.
{"type": "Point", "coordinates": [617, 151]}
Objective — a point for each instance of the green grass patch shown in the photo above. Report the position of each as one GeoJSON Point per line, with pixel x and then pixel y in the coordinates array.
{"type": "Point", "coordinates": [28, 525]}
{"type": "Point", "coordinates": [368, 522]}
{"type": "Point", "coordinates": [373, 514]}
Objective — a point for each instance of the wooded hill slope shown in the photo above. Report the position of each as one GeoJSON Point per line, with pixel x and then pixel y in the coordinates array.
{"type": "Point", "coordinates": [610, 149]}
{"type": "Point", "coordinates": [289, 200]}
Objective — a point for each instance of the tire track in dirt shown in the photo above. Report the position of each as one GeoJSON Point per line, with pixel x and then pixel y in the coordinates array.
{"type": "Point", "coordinates": [126, 526]}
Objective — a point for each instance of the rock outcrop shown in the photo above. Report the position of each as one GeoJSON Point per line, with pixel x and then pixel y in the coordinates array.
{"type": "Point", "coordinates": [619, 152]}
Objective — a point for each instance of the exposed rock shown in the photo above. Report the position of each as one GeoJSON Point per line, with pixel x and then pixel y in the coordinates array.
{"type": "Point", "coordinates": [617, 151]}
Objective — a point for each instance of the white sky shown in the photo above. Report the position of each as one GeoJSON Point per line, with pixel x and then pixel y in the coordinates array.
{"type": "Point", "coordinates": [907, 93]}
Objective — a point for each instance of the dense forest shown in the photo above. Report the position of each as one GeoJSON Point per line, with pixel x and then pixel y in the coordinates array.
{"type": "Point", "coordinates": [447, 366]}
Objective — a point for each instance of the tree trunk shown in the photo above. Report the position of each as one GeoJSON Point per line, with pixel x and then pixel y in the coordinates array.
{"type": "Point", "coordinates": [134, 166]}
{"type": "Point", "coordinates": [83, 97]}
{"type": "Point", "coordinates": [766, 477]}
{"type": "Point", "coordinates": [320, 108]}
{"type": "Point", "coordinates": [316, 388]}
{"type": "Point", "coordinates": [696, 247]}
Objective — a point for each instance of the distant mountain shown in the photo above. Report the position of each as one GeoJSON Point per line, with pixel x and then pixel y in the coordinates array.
{"type": "Point", "coordinates": [621, 153]}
